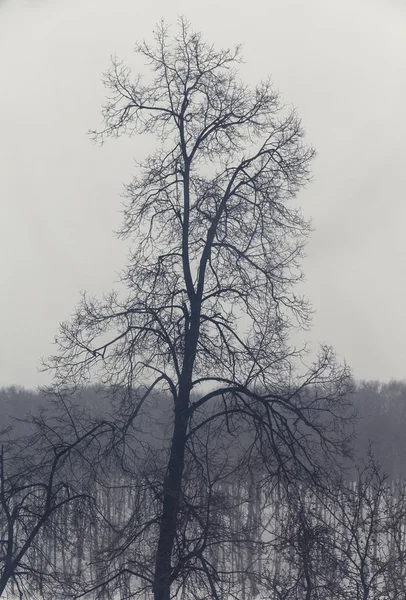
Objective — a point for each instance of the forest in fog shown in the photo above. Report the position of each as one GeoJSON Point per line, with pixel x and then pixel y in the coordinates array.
{"type": "Point", "coordinates": [380, 410]}
{"type": "Point", "coordinates": [290, 539]}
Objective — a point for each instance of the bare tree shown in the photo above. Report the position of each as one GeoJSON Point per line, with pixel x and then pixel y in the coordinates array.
{"type": "Point", "coordinates": [216, 249]}
{"type": "Point", "coordinates": [342, 543]}
{"type": "Point", "coordinates": [369, 516]}
{"type": "Point", "coordinates": [42, 484]}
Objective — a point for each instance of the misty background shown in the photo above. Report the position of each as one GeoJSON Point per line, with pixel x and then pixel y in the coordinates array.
{"type": "Point", "coordinates": [340, 62]}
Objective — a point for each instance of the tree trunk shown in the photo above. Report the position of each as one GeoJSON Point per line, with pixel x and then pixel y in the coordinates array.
{"type": "Point", "coordinates": [174, 474]}
{"type": "Point", "coordinates": [172, 489]}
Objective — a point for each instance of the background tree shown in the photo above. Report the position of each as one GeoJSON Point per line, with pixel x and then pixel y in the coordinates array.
{"type": "Point", "coordinates": [367, 516]}
{"type": "Point", "coordinates": [345, 542]}
{"type": "Point", "coordinates": [42, 486]}
{"type": "Point", "coordinates": [216, 249]}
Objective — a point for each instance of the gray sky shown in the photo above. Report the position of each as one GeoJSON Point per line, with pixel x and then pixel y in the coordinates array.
{"type": "Point", "coordinates": [340, 62]}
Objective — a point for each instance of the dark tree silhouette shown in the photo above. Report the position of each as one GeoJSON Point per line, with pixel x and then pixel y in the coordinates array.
{"type": "Point", "coordinates": [215, 254]}
{"type": "Point", "coordinates": [42, 481]}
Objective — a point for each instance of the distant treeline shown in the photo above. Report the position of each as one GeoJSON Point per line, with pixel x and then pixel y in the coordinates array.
{"type": "Point", "coordinates": [381, 420]}
{"type": "Point", "coordinates": [381, 411]}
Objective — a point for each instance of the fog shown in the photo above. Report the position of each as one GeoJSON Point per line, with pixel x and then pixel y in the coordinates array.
{"type": "Point", "coordinates": [341, 63]}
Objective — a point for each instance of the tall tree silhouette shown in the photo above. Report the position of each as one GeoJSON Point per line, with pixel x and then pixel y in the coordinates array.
{"type": "Point", "coordinates": [216, 244]}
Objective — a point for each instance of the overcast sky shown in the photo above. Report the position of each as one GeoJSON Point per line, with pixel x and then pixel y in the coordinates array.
{"type": "Point", "coordinates": [341, 63]}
